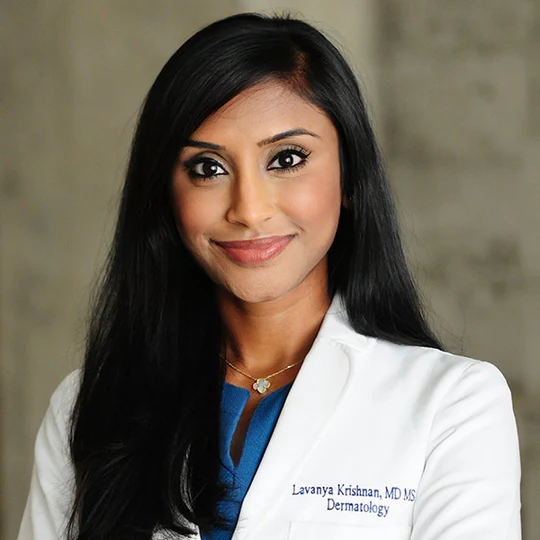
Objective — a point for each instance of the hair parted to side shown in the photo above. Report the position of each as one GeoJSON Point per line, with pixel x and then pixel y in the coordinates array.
{"type": "Point", "coordinates": [144, 434]}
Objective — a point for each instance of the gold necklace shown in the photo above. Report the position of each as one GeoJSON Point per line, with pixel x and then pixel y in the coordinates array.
{"type": "Point", "coordinates": [261, 384]}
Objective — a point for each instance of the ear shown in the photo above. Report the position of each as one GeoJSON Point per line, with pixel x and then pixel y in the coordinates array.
{"type": "Point", "coordinates": [345, 201]}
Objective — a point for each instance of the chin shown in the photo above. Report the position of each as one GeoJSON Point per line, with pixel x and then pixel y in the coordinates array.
{"type": "Point", "coordinates": [254, 295]}
{"type": "Point", "coordinates": [255, 291]}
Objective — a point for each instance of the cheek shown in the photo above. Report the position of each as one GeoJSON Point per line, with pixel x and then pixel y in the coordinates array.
{"type": "Point", "coordinates": [317, 200]}
{"type": "Point", "coordinates": [192, 214]}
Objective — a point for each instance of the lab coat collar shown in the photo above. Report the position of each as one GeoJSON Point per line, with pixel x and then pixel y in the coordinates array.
{"type": "Point", "coordinates": [313, 399]}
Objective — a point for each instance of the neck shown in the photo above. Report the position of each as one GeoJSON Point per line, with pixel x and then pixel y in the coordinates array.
{"type": "Point", "coordinates": [264, 337]}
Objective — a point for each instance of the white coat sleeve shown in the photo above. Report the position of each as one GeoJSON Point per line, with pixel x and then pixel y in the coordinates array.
{"type": "Point", "coordinates": [470, 487]}
{"type": "Point", "coordinates": [47, 507]}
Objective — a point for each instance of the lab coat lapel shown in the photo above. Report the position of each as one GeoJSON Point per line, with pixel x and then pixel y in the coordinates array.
{"type": "Point", "coordinates": [314, 397]}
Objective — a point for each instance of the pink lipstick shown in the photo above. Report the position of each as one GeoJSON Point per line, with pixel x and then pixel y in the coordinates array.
{"type": "Point", "coordinates": [255, 251]}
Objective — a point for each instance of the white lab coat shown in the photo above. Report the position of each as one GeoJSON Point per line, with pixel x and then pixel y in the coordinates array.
{"type": "Point", "coordinates": [375, 441]}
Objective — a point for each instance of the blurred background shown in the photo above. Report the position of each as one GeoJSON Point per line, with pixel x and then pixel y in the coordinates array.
{"type": "Point", "coordinates": [454, 91]}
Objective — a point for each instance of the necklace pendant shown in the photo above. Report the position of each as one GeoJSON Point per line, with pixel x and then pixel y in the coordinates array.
{"type": "Point", "coordinates": [261, 385]}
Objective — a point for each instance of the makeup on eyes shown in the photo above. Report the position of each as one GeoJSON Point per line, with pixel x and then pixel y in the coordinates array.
{"type": "Point", "coordinates": [204, 160]}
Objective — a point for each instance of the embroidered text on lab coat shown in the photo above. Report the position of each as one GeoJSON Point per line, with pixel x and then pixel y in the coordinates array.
{"type": "Point", "coordinates": [372, 506]}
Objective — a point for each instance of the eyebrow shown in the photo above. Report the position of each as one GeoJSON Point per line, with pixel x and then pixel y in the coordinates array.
{"type": "Point", "coordinates": [264, 142]}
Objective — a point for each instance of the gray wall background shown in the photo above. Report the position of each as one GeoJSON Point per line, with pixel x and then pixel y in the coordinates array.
{"type": "Point", "coordinates": [454, 89]}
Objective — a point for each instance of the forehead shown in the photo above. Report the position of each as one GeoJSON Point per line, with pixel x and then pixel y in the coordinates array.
{"type": "Point", "coordinates": [263, 110]}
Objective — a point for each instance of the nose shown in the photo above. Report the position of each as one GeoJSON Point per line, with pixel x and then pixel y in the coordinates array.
{"type": "Point", "coordinates": [251, 200]}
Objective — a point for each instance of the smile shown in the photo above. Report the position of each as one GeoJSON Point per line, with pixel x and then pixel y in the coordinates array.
{"type": "Point", "coordinates": [255, 251]}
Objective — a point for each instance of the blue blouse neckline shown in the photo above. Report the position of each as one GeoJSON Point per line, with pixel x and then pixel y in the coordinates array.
{"type": "Point", "coordinates": [261, 425]}
{"type": "Point", "coordinates": [232, 405]}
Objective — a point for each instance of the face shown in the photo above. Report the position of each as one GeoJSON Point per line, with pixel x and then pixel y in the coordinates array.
{"type": "Point", "coordinates": [264, 166]}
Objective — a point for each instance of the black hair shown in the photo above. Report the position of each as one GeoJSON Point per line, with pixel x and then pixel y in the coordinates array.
{"type": "Point", "coordinates": [144, 430]}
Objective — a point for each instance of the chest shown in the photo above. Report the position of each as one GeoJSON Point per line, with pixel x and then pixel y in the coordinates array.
{"type": "Point", "coordinates": [358, 481]}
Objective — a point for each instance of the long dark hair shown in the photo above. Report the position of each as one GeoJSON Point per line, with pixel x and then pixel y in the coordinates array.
{"type": "Point", "coordinates": [144, 437]}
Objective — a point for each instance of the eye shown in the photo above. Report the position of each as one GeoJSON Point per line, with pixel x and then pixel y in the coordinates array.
{"type": "Point", "coordinates": [204, 168]}
{"type": "Point", "coordinates": [291, 158]}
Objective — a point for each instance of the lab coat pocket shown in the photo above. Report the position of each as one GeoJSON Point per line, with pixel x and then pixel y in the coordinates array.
{"type": "Point", "coordinates": [307, 530]}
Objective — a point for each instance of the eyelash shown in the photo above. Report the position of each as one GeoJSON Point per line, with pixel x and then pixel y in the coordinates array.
{"type": "Point", "coordinates": [292, 150]}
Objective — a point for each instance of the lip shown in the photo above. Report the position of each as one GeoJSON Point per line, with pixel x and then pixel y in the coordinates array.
{"type": "Point", "coordinates": [257, 250]}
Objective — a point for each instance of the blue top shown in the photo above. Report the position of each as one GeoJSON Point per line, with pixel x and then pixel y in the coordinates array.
{"type": "Point", "coordinates": [259, 431]}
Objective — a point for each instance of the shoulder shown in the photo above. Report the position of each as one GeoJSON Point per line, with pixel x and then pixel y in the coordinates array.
{"type": "Point", "coordinates": [65, 394]}
{"type": "Point", "coordinates": [55, 425]}
{"type": "Point", "coordinates": [390, 361]}
{"type": "Point", "coordinates": [49, 499]}
{"type": "Point", "coordinates": [438, 370]}
{"type": "Point", "coordinates": [426, 381]}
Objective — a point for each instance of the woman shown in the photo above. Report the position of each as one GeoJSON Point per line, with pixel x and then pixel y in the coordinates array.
{"type": "Point", "coordinates": [257, 273]}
